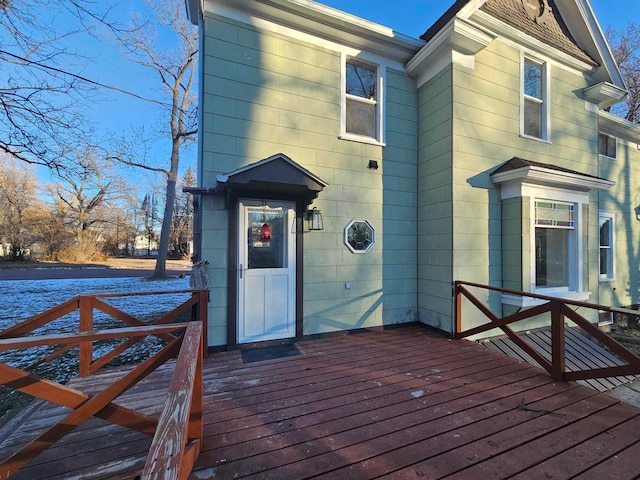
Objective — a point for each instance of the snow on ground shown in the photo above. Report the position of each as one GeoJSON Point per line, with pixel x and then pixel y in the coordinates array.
{"type": "Point", "coordinates": [21, 299]}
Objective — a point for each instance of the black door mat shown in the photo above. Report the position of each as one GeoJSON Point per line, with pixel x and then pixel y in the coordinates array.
{"type": "Point", "coordinates": [261, 354]}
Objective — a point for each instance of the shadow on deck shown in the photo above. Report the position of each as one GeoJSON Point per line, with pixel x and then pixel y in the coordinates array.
{"type": "Point", "coordinates": [402, 403]}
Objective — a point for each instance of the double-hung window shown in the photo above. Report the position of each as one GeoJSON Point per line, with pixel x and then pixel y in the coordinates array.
{"type": "Point", "coordinates": [535, 103]}
{"type": "Point", "coordinates": [607, 145]}
{"type": "Point", "coordinates": [555, 250]}
{"type": "Point", "coordinates": [362, 94]}
{"type": "Point", "coordinates": [607, 229]}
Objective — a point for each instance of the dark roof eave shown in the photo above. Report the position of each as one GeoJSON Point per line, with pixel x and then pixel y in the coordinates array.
{"type": "Point", "coordinates": [443, 20]}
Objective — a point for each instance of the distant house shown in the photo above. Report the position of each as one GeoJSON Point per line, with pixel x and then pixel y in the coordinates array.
{"type": "Point", "coordinates": [481, 151]}
{"type": "Point", "coordinates": [145, 245]}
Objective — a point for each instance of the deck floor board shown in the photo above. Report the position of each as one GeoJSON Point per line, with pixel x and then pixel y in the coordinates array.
{"type": "Point", "coordinates": [401, 403]}
{"type": "Point", "coordinates": [581, 353]}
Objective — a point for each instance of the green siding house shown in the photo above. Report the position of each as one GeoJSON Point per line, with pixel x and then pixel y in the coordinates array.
{"type": "Point", "coordinates": [349, 174]}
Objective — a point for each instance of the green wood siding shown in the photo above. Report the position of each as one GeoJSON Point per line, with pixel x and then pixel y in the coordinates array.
{"type": "Point", "coordinates": [435, 201]}
{"type": "Point", "coordinates": [623, 199]}
{"type": "Point", "coordinates": [489, 232]}
{"type": "Point", "coordinates": [265, 93]}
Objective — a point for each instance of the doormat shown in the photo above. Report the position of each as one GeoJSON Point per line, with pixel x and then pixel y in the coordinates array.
{"type": "Point", "coordinates": [261, 354]}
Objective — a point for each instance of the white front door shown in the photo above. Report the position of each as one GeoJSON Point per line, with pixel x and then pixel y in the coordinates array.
{"type": "Point", "coordinates": [266, 271]}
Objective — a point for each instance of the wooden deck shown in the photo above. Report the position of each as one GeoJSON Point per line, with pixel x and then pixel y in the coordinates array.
{"type": "Point", "coordinates": [402, 403]}
{"type": "Point", "coordinates": [581, 353]}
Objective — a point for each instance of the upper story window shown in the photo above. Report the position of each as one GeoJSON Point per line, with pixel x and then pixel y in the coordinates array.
{"type": "Point", "coordinates": [534, 99]}
{"type": "Point", "coordinates": [607, 145]}
{"type": "Point", "coordinates": [361, 106]}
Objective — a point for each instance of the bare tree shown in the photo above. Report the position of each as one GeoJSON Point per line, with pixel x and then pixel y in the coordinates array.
{"type": "Point", "coordinates": [88, 192]}
{"type": "Point", "coordinates": [182, 221]}
{"type": "Point", "coordinates": [49, 227]}
{"type": "Point", "coordinates": [626, 50]}
{"type": "Point", "coordinates": [175, 69]}
{"type": "Point", "coordinates": [41, 98]}
{"type": "Point", "coordinates": [18, 203]}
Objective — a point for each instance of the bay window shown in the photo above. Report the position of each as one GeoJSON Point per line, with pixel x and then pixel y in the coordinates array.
{"type": "Point", "coordinates": [554, 245]}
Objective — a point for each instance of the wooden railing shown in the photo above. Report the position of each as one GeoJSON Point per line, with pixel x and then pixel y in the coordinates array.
{"type": "Point", "coordinates": [558, 310]}
{"type": "Point", "coordinates": [177, 434]}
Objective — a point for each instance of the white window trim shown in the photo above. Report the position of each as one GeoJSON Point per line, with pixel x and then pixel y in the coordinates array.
{"type": "Point", "coordinates": [546, 97]}
{"type": "Point", "coordinates": [575, 247]}
{"type": "Point", "coordinates": [611, 276]}
{"type": "Point", "coordinates": [380, 101]}
{"type": "Point", "coordinates": [604, 323]}
{"type": "Point", "coordinates": [576, 291]}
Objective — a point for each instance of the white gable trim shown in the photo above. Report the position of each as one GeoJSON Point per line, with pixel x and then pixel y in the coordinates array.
{"type": "Point", "coordinates": [514, 183]}
{"type": "Point", "coordinates": [458, 42]}
{"type": "Point", "coordinates": [618, 127]}
{"type": "Point", "coordinates": [584, 27]}
{"type": "Point", "coordinates": [319, 25]}
{"type": "Point", "coordinates": [507, 32]}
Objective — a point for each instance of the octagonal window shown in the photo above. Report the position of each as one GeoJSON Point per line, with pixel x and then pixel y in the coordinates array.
{"type": "Point", "coordinates": [359, 236]}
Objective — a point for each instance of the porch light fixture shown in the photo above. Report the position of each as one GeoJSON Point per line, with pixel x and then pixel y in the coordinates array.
{"type": "Point", "coordinates": [314, 219]}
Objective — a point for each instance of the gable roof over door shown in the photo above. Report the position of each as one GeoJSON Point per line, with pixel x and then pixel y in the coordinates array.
{"type": "Point", "coordinates": [277, 175]}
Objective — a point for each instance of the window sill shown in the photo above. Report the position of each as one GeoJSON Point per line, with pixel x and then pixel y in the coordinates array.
{"type": "Point", "coordinates": [526, 302]}
{"type": "Point", "coordinates": [606, 157]}
{"type": "Point", "coordinates": [606, 279]}
{"type": "Point", "coordinates": [361, 139]}
{"type": "Point", "coordinates": [541, 140]}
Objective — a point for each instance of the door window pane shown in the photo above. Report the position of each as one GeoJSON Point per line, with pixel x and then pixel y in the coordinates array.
{"type": "Point", "coordinates": [267, 239]}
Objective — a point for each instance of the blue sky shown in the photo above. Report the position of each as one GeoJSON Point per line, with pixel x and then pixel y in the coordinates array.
{"type": "Point", "coordinates": [118, 113]}
{"type": "Point", "coordinates": [413, 17]}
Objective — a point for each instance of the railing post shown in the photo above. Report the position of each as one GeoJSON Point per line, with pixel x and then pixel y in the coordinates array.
{"type": "Point", "coordinates": [557, 341]}
{"type": "Point", "coordinates": [86, 325]}
{"type": "Point", "coordinates": [457, 310]}
{"type": "Point", "coordinates": [203, 313]}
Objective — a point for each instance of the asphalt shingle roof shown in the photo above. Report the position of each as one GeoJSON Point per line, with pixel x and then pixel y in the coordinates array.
{"type": "Point", "coordinates": [552, 31]}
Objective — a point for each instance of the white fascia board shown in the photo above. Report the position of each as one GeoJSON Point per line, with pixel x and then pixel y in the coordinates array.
{"type": "Point", "coordinates": [321, 22]}
{"type": "Point", "coordinates": [522, 39]}
{"type": "Point", "coordinates": [585, 29]}
{"type": "Point", "coordinates": [459, 39]}
{"type": "Point", "coordinates": [548, 177]}
{"type": "Point", "coordinates": [604, 94]}
{"type": "Point", "coordinates": [618, 127]}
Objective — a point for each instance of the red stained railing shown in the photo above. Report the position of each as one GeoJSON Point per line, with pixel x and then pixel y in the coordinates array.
{"type": "Point", "coordinates": [177, 433]}
{"type": "Point", "coordinates": [558, 310]}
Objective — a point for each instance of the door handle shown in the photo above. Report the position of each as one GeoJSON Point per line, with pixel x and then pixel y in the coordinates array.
{"type": "Point", "coordinates": [240, 270]}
